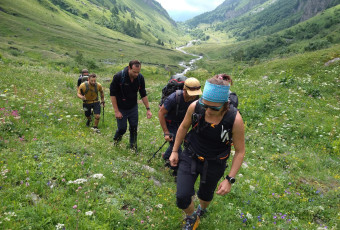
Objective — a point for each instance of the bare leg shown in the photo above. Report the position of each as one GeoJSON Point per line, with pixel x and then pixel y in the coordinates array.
{"type": "Point", "coordinates": [190, 210]}
{"type": "Point", "coordinates": [204, 204]}
{"type": "Point", "coordinates": [96, 120]}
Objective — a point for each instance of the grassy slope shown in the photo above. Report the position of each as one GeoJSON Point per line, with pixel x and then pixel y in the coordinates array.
{"type": "Point", "coordinates": [290, 107]}
{"type": "Point", "coordinates": [288, 136]}
{"type": "Point", "coordinates": [44, 36]}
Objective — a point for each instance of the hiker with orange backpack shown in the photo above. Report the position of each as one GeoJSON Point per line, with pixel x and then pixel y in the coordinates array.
{"type": "Point", "coordinates": [216, 124]}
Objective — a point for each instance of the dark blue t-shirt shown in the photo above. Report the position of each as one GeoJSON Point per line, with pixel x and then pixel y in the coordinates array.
{"type": "Point", "coordinates": [170, 105]}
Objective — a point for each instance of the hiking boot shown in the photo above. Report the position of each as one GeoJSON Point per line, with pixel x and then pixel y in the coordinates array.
{"type": "Point", "coordinates": [201, 212]}
{"type": "Point", "coordinates": [191, 222]}
{"type": "Point", "coordinates": [95, 129]}
{"type": "Point", "coordinates": [88, 122]}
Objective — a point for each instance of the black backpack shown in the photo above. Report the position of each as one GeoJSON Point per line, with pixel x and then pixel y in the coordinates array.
{"type": "Point", "coordinates": [175, 83]}
{"type": "Point", "coordinates": [83, 78]}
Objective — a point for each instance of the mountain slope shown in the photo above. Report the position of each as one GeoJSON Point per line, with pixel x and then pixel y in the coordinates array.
{"type": "Point", "coordinates": [60, 30]}
{"type": "Point", "coordinates": [246, 18]}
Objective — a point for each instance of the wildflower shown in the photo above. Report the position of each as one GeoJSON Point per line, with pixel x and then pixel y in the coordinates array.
{"type": "Point", "coordinates": [59, 226]}
{"type": "Point", "coordinates": [159, 206]}
{"type": "Point", "coordinates": [142, 221]}
{"type": "Point", "coordinates": [74, 206]}
{"type": "Point", "coordinates": [249, 216]}
{"type": "Point", "coordinates": [252, 188]}
{"type": "Point", "coordinates": [88, 213]}
{"type": "Point", "coordinates": [78, 181]}
{"type": "Point", "coordinates": [98, 176]}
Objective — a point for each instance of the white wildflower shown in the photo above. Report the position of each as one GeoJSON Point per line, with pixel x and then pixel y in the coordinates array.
{"type": "Point", "coordinates": [59, 226]}
{"type": "Point", "coordinates": [252, 188]}
{"type": "Point", "coordinates": [249, 216]}
{"type": "Point", "coordinates": [98, 176]}
{"type": "Point", "coordinates": [78, 181]}
{"type": "Point", "coordinates": [7, 219]}
{"type": "Point", "coordinates": [240, 175]}
{"type": "Point", "coordinates": [88, 213]}
{"type": "Point", "coordinates": [159, 206]}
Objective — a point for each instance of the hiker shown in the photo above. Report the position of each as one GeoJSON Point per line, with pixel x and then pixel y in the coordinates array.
{"type": "Point", "coordinates": [216, 124]}
{"type": "Point", "coordinates": [173, 110]}
{"type": "Point", "coordinates": [84, 76]}
{"type": "Point", "coordinates": [88, 92]}
{"type": "Point", "coordinates": [123, 93]}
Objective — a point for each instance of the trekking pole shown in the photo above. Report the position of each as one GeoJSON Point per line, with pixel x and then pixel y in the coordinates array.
{"type": "Point", "coordinates": [103, 116]}
{"type": "Point", "coordinates": [156, 152]}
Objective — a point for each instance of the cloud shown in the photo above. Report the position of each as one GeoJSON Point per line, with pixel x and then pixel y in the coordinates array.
{"type": "Point", "coordinates": [190, 5]}
{"type": "Point", "coordinates": [178, 5]}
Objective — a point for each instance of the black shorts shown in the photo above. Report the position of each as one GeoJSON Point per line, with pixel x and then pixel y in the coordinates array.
{"type": "Point", "coordinates": [88, 107]}
{"type": "Point", "coordinates": [186, 180]}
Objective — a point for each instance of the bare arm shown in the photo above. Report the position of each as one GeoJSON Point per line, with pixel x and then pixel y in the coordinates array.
{"type": "Point", "coordinates": [146, 103]}
{"type": "Point", "coordinates": [118, 114]}
{"type": "Point", "coordinates": [239, 145]}
{"type": "Point", "coordinates": [80, 95]}
{"type": "Point", "coordinates": [161, 116]}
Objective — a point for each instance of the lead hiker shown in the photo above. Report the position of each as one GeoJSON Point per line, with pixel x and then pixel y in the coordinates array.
{"type": "Point", "coordinates": [216, 124]}
{"type": "Point", "coordinates": [88, 92]}
{"type": "Point", "coordinates": [172, 112]}
{"type": "Point", "coordinates": [123, 93]}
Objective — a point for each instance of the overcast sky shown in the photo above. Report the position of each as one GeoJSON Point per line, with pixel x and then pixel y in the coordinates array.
{"type": "Point", "coordinates": [181, 10]}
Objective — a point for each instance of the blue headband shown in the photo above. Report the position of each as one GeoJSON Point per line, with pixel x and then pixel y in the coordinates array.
{"type": "Point", "coordinates": [216, 93]}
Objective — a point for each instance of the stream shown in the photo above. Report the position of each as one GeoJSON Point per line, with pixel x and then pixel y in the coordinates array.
{"type": "Point", "coordinates": [187, 67]}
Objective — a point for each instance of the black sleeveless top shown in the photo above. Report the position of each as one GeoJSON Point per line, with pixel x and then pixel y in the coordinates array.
{"type": "Point", "coordinates": [211, 140]}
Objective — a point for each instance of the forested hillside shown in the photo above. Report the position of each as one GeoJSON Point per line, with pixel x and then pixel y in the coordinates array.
{"type": "Point", "coordinates": [248, 19]}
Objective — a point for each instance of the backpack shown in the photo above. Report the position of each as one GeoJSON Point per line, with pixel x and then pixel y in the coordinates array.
{"type": "Point", "coordinates": [83, 78]}
{"type": "Point", "coordinates": [174, 84]}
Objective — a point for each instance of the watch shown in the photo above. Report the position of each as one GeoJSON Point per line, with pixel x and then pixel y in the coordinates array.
{"type": "Point", "coordinates": [230, 179]}
{"type": "Point", "coordinates": [148, 108]}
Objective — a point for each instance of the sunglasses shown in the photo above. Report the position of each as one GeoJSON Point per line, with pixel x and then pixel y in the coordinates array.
{"type": "Point", "coordinates": [215, 108]}
{"type": "Point", "coordinates": [193, 88]}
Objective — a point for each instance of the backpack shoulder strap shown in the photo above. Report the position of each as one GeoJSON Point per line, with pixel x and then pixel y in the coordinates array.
{"type": "Point", "coordinates": [87, 88]}
{"type": "Point", "coordinates": [122, 79]}
{"type": "Point", "coordinates": [178, 99]}
{"type": "Point", "coordinates": [227, 124]}
{"type": "Point", "coordinates": [196, 118]}
{"type": "Point", "coordinates": [96, 90]}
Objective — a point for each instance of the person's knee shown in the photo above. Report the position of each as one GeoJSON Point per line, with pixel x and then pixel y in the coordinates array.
{"type": "Point", "coordinates": [121, 131]}
{"type": "Point", "coordinates": [183, 202]}
{"type": "Point", "coordinates": [133, 129]}
{"type": "Point", "coordinates": [97, 116]}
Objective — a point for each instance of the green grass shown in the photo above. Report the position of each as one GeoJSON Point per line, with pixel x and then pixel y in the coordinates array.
{"type": "Point", "coordinates": [290, 107]}
{"type": "Point", "coordinates": [289, 178]}
{"type": "Point", "coordinates": [32, 34]}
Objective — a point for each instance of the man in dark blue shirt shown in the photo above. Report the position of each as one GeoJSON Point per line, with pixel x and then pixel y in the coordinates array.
{"type": "Point", "coordinates": [123, 94]}
{"type": "Point", "coordinates": [172, 112]}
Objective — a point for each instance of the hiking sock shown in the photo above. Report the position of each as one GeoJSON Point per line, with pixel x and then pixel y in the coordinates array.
{"type": "Point", "coordinates": [201, 212]}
